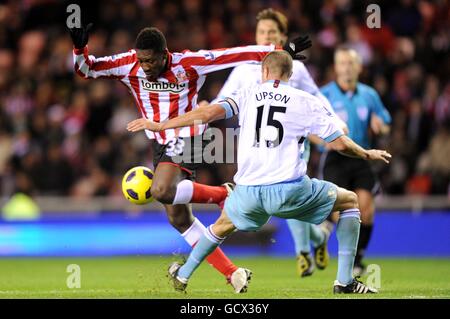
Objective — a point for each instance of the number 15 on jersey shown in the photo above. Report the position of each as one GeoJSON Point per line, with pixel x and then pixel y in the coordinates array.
{"type": "Point", "coordinates": [271, 125]}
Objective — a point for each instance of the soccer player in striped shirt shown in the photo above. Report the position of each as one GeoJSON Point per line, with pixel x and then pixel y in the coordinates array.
{"type": "Point", "coordinates": [271, 177]}
{"type": "Point", "coordinates": [165, 85]}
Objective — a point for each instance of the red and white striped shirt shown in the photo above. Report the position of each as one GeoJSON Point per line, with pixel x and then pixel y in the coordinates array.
{"type": "Point", "coordinates": [176, 89]}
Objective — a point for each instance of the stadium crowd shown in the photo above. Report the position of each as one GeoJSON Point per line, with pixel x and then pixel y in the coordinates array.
{"type": "Point", "coordinates": [62, 135]}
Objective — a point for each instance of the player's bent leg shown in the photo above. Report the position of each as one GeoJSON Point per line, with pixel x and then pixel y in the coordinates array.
{"type": "Point", "coordinates": [347, 232]}
{"type": "Point", "coordinates": [216, 258]}
{"type": "Point", "coordinates": [223, 226]}
{"type": "Point", "coordinates": [240, 278]}
{"type": "Point", "coordinates": [208, 242]}
{"type": "Point", "coordinates": [165, 181]}
{"type": "Point", "coordinates": [190, 192]}
{"type": "Point", "coordinates": [180, 273]}
{"type": "Point", "coordinates": [367, 208]}
{"type": "Point", "coordinates": [170, 186]}
{"type": "Point", "coordinates": [181, 217]}
{"type": "Point", "coordinates": [345, 199]}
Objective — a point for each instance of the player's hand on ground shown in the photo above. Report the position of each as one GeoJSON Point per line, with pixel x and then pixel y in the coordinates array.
{"type": "Point", "coordinates": [143, 124]}
{"type": "Point", "coordinates": [80, 36]}
{"type": "Point", "coordinates": [379, 155]}
{"type": "Point", "coordinates": [295, 46]}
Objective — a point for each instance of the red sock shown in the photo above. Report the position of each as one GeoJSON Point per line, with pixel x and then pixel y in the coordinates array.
{"type": "Point", "coordinates": [208, 194]}
{"type": "Point", "coordinates": [221, 262]}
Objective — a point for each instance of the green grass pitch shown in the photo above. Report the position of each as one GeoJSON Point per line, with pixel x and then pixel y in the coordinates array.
{"type": "Point", "coordinates": [145, 277]}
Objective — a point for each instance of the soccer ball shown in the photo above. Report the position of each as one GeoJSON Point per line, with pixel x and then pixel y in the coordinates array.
{"type": "Point", "coordinates": [136, 185]}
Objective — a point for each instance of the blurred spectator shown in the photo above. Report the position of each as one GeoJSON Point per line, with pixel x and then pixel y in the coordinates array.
{"type": "Point", "coordinates": [60, 134]}
{"type": "Point", "coordinates": [356, 41]}
{"type": "Point", "coordinates": [53, 176]}
{"type": "Point", "coordinates": [435, 160]}
{"type": "Point", "coordinates": [6, 151]}
{"type": "Point", "coordinates": [405, 19]}
{"type": "Point", "coordinates": [442, 109]}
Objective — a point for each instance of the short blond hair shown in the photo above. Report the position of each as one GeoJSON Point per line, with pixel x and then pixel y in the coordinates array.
{"type": "Point", "coordinates": [278, 62]}
{"type": "Point", "coordinates": [349, 50]}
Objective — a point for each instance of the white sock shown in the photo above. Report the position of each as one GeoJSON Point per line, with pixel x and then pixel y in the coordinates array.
{"type": "Point", "coordinates": [193, 234]}
{"type": "Point", "coordinates": [185, 190]}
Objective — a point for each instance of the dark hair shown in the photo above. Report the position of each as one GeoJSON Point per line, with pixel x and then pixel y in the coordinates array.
{"type": "Point", "coordinates": [279, 18]}
{"type": "Point", "coordinates": [151, 39]}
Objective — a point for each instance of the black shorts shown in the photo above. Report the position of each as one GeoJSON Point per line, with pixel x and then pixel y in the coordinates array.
{"type": "Point", "coordinates": [183, 152]}
{"type": "Point", "coordinates": [349, 173]}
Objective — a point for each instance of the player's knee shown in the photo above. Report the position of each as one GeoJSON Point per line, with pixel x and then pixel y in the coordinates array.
{"type": "Point", "coordinates": [163, 193]}
{"type": "Point", "coordinates": [346, 200]}
{"type": "Point", "coordinates": [352, 199]}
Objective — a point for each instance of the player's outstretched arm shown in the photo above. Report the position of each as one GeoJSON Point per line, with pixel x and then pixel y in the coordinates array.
{"type": "Point", "coordinates": [207, 61]}
{"type": "Point", "coordinates": [345, 145]}
{"type": "Point", "coordinates": [90, 67]}
{"type": "Point", "coordinates": [201, 115]}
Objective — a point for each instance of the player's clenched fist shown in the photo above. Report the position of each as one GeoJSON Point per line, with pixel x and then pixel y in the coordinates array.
{"type": "Point", "coordinates": [143, 124]}
{"type": "Point", "coordinates": [295, 46]}
{"type": "Point", "coordinates": [80, 36]}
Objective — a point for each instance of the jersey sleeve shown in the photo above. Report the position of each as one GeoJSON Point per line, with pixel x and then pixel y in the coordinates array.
{"type": "Point", "coordinates": [302, 80]}
{"type": "Point", "coordinates": [232, 84]}
{"type": "Point", "coordinates": [378, 107]}
{"type": "Point", "coordinates": [330, 109]}
{"type": "Point", "coordinates": [207, 61]}
{"type": "Point", "coordinates": [232, 102]}
{"type": "Point", "coordinates": [323, 122]}
{"type": "Point", "coordinates": [325, 91]}
{"type": "Point", "coordinates": [116, 66]}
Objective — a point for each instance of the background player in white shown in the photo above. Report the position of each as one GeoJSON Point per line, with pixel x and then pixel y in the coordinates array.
{"type": "Point", "coordinates": [164, 85]}
{"type": "Point", "coordinates": [272, 28]}
{"type": "Point", "coordinates": [271, 178]}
